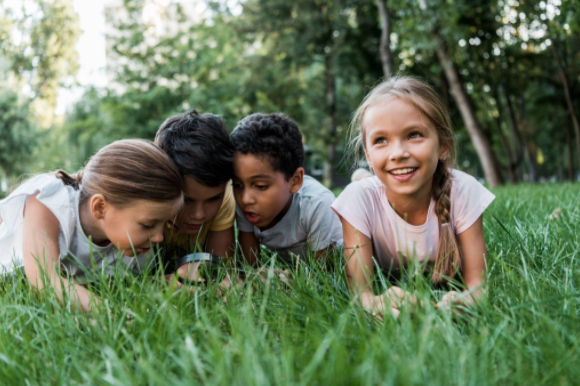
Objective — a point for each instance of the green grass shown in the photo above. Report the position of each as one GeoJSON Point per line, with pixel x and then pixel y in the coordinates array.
{"type": "Point", "coordinates": [525, 332]}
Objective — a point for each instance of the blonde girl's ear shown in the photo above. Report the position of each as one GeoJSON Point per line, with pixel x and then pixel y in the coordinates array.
{"type": "Point", "coordinates": [444, 154]}
{"type": "Point", "coordinates": [98, 206]}
{"type": "Point", "coordinates": [369, 161]}
{"type": "Point", "coordinates": [297, 180]}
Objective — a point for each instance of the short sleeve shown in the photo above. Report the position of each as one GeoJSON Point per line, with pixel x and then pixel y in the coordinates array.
{"type": "Point", "coordinates": [469, 199]}
{"type": "Point", "coordinates": [227, 212]}
{"type": "Point", "coordinates": [352, 205]}
{"type": "Point", "coordinates": [322, 226]}
{"type": "Point", "coordinates": [243, 224]}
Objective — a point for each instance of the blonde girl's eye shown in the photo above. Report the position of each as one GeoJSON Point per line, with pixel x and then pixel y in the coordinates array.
{"type": "Point", "coordinates": [147, 226]}
{"type": "Point", "coordinates": [380, 140]}
{"type": "Point", "coordinates": [415, 134]}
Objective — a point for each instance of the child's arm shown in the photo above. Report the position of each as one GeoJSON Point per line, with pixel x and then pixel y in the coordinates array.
{"type": "Point", "coordinates": [250, 247]}
{"type": "Point", "coordinates": [41, 253]}
{"type": "Point", "coordinates": [473, 250]}
{"type": "Point", "coordinates": [221, 243]}
{"type": "Point", "coordinates": [358, 252]}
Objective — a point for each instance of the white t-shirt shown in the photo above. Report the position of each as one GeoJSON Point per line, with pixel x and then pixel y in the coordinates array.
{"type": "Point", "coordinates": [75, 248]}
{"type": "Point", "coordinates": [309, 224]}
{"type": "Point", "coordinates": [365, 206]}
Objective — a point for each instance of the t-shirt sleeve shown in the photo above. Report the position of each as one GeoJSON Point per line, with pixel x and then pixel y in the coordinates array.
{"type": "Point", "coordinates": [243, 224]}
{"type": "Point", "coordinates": [322, 226]}
{"type": "Point", "coordinates": [227, 212]}
{"type": "Point", "coordinates": [352, 205]}
{"type": "Point", "coordinates": [469, 199]}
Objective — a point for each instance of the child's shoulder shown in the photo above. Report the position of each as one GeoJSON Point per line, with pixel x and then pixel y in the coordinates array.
{"type": "Point", "coordinates": [313, 189]}
{"type": "Point", "coordinates": [370, 186]}
{"type": "Point", "coordinates": [464, 184]}
{"type": "Point", "coordinates": [46, 184]}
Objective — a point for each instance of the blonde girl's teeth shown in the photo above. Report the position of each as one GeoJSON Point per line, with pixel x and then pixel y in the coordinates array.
{"type": "Point", "coordinates": [402, 171]}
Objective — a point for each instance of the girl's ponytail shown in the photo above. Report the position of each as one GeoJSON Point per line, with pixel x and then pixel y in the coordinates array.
{"type": "Point", "coordinates": [73, 180]}
{"type": "Point", "coordinates": [448, 258]}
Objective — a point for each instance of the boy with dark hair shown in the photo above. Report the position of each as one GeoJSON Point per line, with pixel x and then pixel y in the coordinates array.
{"type": "Point", "coordinates": [200, 147]}
{"type": "Point", "coordinates": [277, 205]}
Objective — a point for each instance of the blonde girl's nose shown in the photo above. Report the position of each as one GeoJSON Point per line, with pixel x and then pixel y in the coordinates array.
{"type": "Point", "coordinates": [398, 151]}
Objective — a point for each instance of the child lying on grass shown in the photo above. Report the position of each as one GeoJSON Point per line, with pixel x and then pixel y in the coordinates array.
{"type": "Point", "coordinates": [200, 147]}
{"type": "Point", "coordinates": [277, 205]}
{"type": "Point", "coordinates": [417, 205]}
{"type": "Point", "coordinates": [105, 218]}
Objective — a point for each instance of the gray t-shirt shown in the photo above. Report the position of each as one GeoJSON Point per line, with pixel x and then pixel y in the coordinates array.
{"type": "Point", "coordinates": [309, 225]}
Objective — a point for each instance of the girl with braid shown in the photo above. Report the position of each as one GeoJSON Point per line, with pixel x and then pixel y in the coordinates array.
{"type": "Point", "coordinates": [416, 207]}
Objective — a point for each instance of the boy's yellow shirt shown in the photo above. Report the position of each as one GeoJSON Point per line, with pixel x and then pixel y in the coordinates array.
{"type": "Point", "coordinates": [178, 242]}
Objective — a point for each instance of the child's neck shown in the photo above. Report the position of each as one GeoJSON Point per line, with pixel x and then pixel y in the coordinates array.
{"type": "Point", "coordinates": [91, 226]}
{"type": "Point", "coordinates": [413, 208]}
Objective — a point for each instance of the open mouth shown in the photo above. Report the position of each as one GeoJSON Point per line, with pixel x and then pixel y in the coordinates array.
{"type": "Point", "coordinates": [194, 226]}
{"type": "Point", "coordinates": [252, 217]}
{"type": "Point", "coordinates": [143, 250]}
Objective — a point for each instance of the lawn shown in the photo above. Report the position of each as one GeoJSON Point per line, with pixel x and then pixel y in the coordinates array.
{"type": "Point", "coordinates": [526, 331]}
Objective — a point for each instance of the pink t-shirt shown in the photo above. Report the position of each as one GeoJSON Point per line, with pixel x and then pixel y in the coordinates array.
{"type": "Point", "coordinates": [365, 206]}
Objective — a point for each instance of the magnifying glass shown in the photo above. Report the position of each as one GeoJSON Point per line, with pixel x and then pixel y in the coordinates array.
{"type": "Point", "coordinates": [210, 268]}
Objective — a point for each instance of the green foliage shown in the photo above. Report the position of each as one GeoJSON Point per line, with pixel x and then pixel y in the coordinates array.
{"type": "Point", "coordinates": [16, 133]}
{"type": "Point", "coordinates": [39, 43]}
{"type": "Point", "coordinates": [524, 332]}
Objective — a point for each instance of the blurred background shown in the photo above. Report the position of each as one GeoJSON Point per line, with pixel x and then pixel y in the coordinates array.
{"type": "Point", "coordinates": [76, 75]}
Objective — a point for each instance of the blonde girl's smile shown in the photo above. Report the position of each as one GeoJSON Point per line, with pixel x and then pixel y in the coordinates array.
{"type": "Point", "coordinates": [402, 147]}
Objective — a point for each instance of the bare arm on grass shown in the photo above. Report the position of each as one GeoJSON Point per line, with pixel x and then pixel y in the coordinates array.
{"type": "Point", "coordinates": [41, 253]}
{"type": "Point", "coordinates": [358, 253]}
{"type": "Point", "coordinates": [473, 251]}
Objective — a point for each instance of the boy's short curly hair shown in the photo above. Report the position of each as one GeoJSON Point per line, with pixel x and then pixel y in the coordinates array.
{"type": "Point", "coordinates": [199, 146]}
{"type": "Point", "coordinates": [275, 136]}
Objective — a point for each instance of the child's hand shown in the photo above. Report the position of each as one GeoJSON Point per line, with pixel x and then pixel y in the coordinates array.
{"type": "Point", "coordinates": [398, 296]}
{"type": "Point", "coordinates": [454, 299]}
{"type": "Point", "coordinates": [376, 306]}
{"type": "Point", "coordinates": [283, 275]}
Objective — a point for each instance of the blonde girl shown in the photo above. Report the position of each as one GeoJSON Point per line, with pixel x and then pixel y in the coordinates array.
{"type": "Point", "coordinates": [416, 206]}
{"type": "Point", "coordinates": [105, 217]}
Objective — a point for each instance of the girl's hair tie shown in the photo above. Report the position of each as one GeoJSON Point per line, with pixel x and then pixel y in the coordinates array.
{"type": "Point", "coordinates": [445, 224]}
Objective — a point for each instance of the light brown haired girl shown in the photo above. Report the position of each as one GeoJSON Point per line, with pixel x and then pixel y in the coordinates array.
{"type": "Point", "coordinates": [416, 207]}
{"type": "Point", "coordinates": [106, 216]}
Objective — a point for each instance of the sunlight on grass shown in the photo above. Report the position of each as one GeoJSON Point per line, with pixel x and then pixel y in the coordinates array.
{"type": "Point", "coordinates": [524, 332]}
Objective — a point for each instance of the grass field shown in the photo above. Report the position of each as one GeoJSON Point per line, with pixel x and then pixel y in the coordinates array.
{"type": "Point", "coordinates": [526, 332]}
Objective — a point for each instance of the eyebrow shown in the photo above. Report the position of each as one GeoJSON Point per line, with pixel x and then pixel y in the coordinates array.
{"type": "Point", "coordinates": [261, 176]}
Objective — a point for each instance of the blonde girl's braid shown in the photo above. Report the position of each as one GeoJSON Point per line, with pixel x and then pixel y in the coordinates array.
{"type": "Point", "coordinates": [448, 258]}
{"type": "Point", "coordinates": [426, 100]}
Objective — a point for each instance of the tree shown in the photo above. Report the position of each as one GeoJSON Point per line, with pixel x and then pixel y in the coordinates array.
{"type": "Point", "coordinates": [16, 132]}
{"type": "Point", "coordinates": [39, 46]}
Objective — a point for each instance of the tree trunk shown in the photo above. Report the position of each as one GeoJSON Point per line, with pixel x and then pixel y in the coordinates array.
{"type": "Point", "coordinates": [511, 167]}
{"type": "Point", "coordinates": [564, 80]}
{"type": "Point", "coordinates": [385, 47]}
{"type": "Point", "coordinates": [515, 132]}
{"type": "Point", "coordinates": [570, 150]}
{"type": "Point", "coordinates": [529, 146]}
{"type": "Point", "coordinates": [480, 141]}
{"type": "Point", "coordinates": [331, 106]}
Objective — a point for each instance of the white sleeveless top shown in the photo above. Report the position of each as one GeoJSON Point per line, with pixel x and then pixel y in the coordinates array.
{"type": "Point", "coordinates": [77, 253]}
